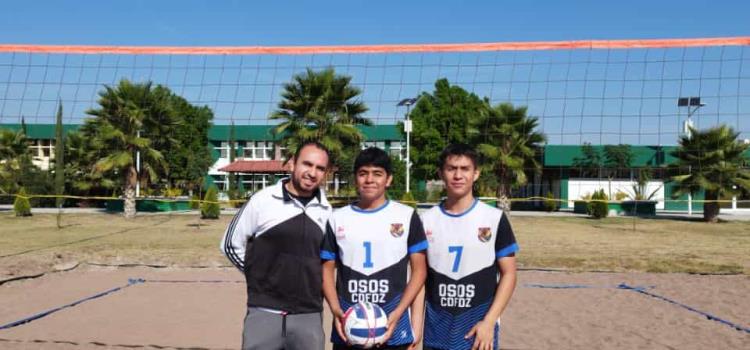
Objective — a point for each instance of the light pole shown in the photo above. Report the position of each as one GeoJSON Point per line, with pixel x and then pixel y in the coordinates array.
{"type": "Point", "coordinates": [689, 102]}
{"type": "Point", "coordinates": [138, 169]}
{"type": "Point", "coordinates": [692, 104]}
{"type": "Point", "coordinates": [407, 129]}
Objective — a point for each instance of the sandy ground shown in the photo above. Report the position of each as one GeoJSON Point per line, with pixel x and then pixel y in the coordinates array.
{"type": "Point", "coordinates": [203, 309]}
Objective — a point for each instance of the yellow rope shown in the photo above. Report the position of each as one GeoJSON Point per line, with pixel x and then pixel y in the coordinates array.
{"type": "Point", "coordinates": [232, 201]}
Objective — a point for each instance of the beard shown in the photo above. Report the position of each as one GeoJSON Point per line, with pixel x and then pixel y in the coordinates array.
{"type": "Point", "coordinates": [297, 184]}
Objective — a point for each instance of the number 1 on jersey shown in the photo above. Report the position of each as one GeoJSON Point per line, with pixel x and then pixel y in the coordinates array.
{"type": "Point", "coordinates": [457, 260]}
{"type": "Point", "coordinates": [368, 255]}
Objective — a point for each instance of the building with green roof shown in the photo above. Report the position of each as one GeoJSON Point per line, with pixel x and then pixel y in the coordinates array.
{"type": "Point", "coordinates": [258, 163]}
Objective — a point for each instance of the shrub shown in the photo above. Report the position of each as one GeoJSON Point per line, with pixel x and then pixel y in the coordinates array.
{"type": "Point", "coordinates": [408, 199]}
{"type": "Point", "coordinates": [435, 195]}
{"type": "Point", "coordinates": [419, 195]}
{"type": "Point", "coordinates": [171, 192]}
{"type": "Point", "coordinates": [598, 207]}
{"type": "Point", "coordinates": [21, 205]}
{"type": "Point", "coordinates": [550, 204]}
{"type": "Point", "coordinates": [195, 202]}
{"type": "Point", "coordinates": [348, 192]}
{"type": "Point", "coordinates": [236, 199]}
{"type": "Point", "coordinates": [210, 208]}
{"type": "Point", "coordinates": [620, 196]}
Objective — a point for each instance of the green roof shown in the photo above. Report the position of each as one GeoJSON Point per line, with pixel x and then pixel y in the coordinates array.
{"type": "Point", "coordinates": [382, 132]}
{"type": "Point", "coordinates": [263, 132]}
{"type": "Point", "coordinates": [40, 131]}
{"type": "Point", "coordinates": [565, 155]}
{"type": "Point", "coordinates": [218, 132]}
{"type": "Point", "coordinates": [654, 156]}
{"type": "Point", "coordinates": [241, 132]}
{"type": "Point", "coordinates": [554, 155]}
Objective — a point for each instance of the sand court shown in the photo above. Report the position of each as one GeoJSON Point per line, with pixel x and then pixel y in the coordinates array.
{"type": "Point", "coordinates": [203, 308]}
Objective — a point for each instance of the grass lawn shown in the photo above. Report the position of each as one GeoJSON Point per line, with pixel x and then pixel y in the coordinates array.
{"type": "Point", "coordinates": [35, 244]}
{"type": "Point", "coordinates": [612, 244]}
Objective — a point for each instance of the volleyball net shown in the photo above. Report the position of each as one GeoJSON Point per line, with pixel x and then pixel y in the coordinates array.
{"type": "Point", "coordinates": [603, 92]}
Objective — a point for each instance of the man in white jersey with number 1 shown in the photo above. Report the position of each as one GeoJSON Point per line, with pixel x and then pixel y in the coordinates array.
{"type": "Point", "coordinates": [471, 261]}
{"type": "Point", "coordinates": [370, 244]}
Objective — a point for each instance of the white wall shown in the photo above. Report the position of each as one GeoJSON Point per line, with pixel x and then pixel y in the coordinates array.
{"type": "Point", "coordinates": [220, 163]}
{"type": "Point", "coordinates": [578, 188]}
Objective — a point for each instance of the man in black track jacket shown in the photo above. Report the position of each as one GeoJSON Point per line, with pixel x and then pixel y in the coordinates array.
{"type": "Point", "coordinates": [275, 241]}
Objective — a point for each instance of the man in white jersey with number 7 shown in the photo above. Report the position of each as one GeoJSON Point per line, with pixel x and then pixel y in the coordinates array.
{"type": "Point", "coordinates": [471, 261]}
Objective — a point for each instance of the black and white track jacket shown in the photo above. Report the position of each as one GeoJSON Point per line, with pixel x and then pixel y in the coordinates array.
{"type": "Point", "coordinates": [275, 241]}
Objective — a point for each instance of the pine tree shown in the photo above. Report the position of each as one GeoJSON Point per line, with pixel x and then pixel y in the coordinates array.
{"type": "Point", "coordinates": [59, 158]}
{"type": "Point", "coordinates": [210, 208]}
{"type": "Point", "coordinates": [21, 205]}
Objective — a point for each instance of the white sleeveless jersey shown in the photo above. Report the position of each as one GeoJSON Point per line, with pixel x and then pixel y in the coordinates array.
{"type": "Point", "coordinates": [371, 249]}
{"type": "Point", "coordinates": [463, 272]}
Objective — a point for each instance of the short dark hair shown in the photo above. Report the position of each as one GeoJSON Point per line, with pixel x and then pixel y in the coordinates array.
{"type": "Point", "coordinates": [373, 156]}
{"type": "Point", "coordinates": [316, 144]}
{"type": "Point", "coordinates": [458, 149]}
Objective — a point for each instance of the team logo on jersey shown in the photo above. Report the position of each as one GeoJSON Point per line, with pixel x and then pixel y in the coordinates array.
{"type": "Point", "coordinates": [485, 233]}
{"type": "Point", "coordinates": [340, 232]}
{"type": "Point", "coordinates": [397, 230]}
{"type": "Point", "coordinates": [428, 233]}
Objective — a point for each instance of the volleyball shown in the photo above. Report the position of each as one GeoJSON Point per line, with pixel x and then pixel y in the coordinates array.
{"type": "Point", "coordinates": [365, 324]}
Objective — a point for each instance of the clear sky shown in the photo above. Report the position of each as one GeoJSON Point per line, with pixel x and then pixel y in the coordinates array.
{"type": "Point", "coordinates": [282, 22]}
{"type": "Point", "coordinates": [598, 96]}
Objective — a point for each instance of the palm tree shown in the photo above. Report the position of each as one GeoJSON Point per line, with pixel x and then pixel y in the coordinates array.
{"type": "Point", "coordinates": [119, 120]}
{"type": "Point", "coordinates": [715, 162]}
{"type": "Point", "coordinates": [14, 154]}
{"type": "Point", "coordinates": [508, 146]}
{"type": "Point", "coordinates": [320, 106]}
{"type": "Point", "coordinates": [159, 126]}
{"type": "Point", "coordinates": [82, 150]}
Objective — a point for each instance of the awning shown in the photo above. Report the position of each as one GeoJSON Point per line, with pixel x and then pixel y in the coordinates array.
{"type": "Point", "coordinates": [257, 166]}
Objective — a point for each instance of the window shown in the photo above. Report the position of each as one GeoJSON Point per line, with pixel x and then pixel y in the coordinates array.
{"type": "Point", "coordinates": [34, 146]}
{"type": "Point", "coordinates": [255, 182]}
{"type": "Point", "coordinates": [42, 148]}
{"type": "Point", "coordinates": [46, 148]}
{"type": "Point", "coordinates": [378, 144]}
{"type": "Point", "coordinates": [258, 150]}
{"type": "Point", "coordinates": [268, 150]}
{"type": "Point", "coordinates": [394, 148]}
{"type": "Point", "coordinates": [220, 182]}
{"type": "Point", "coordinates": [247, 152]}
{"type": "Point", "coordinates": [398, 149]}
{"type": "Point", "coordinates": [331, 183]}
{"type": "Point", "coordinates": [224, 149]}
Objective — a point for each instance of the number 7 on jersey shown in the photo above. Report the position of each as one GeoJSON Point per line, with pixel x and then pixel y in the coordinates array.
{"type": "Point", "coordinates": [457, 260]}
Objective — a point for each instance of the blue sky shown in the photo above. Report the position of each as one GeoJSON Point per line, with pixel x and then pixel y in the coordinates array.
{"type": "Point", "coordinates": [580, 95]}
{"type": "Point", "coordinates": [282, 22]}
